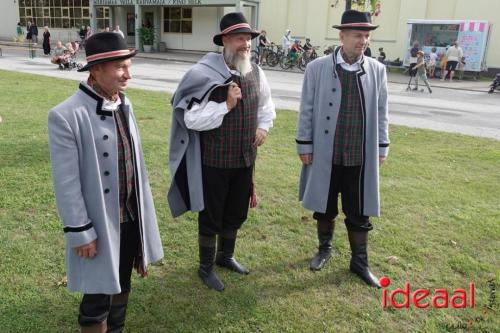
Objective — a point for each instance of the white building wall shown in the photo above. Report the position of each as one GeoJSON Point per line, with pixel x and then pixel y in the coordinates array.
{"type": "Point", "coordinates": [9, 16]}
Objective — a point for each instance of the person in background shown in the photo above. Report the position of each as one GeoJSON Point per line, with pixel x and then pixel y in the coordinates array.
{"type": "Point", "coordinates": [286, 41]}
{"type": "Point", "coordinates": [29, 33]}
{"type": "Point", "coordinates": [295, 50]}
{"type": "Point", "coordinates": [413, 57]}
{"type": "Point", "coordinates": [432, 62]}
{"type": "Point", "coordinates": [421, 72]}
{"type": "Point", "coordinates": [19, 32]}
{"type": "Point", "coordinates": [59, 52]}
{"type": "Point", "coordinates": [46, 41]}
{"type": "Point", "coordinates": [442, 63]}
{"type": "Point", "coordinates": [263, 43]}
{"type": "Point", "coordinates": [368, 51]}
{"type": "Point", "coordinates": [88, 33]}
{"type": "Point", "coordinates": [454, 54]}
{"type": "Point", "coordinates": [118, 31]}
{"type": "Point", "coordinates": [82, 33]}
{"type": "Point", "coordinates": [308, 47]}
{"type": "Point", "coordinates": [381, 56]}
{"type": "Point", "coordinates": [34, 32]}
{"type": "Point", "coordinates": [461, 68]}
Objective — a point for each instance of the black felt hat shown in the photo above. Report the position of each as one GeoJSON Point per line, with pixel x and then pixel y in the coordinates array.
{"type": "Point", "coordinates": [352, 19]}
{"type": "Point", "coordinates": [105, 47]}
{"type": "Point", "coordinates": [234, 23]}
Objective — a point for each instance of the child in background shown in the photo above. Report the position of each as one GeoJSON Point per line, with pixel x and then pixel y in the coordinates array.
{"type": "Point", "coordinates": [432, 62]}
{"type": "Point", "coordinates": [421, 72]}
{"type": "Point", "coordinates": [461, 68]}
{"type": "Point", "coordinates": [442, 63]}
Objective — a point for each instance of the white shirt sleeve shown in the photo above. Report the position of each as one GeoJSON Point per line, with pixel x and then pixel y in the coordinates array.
{"type": "Point", "coordinates": [205, 117]}
{"type": "Point", "coordinates": [266, 111]}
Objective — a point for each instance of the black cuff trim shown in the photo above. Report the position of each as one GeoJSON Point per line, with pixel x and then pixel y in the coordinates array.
{"type": "Point", "coordinates": [300, 142]}
{"type": "Point", "coordinates": [78, 229]}
{"type": "Point", "coordinates": [383, 145]}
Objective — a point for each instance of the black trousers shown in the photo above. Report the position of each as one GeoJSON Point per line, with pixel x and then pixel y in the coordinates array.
{"type": "Point", "coordinates": [94, 308]}
{"type": "Point", "coordinates": [346, 181]}
{"type": "Point", "coordinates": [226, 195]}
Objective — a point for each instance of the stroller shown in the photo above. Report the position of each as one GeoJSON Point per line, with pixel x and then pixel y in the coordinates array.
{"type": "Point", "coordinates": [495, 85]}
{"type": "Point", "coordinates": [68, 61]}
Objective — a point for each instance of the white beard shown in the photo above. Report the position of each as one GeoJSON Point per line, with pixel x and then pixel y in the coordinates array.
{"type": "Point", "coordinates": [242, 64]}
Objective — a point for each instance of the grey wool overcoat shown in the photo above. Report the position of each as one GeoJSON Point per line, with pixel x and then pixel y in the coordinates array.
{"type": "Point", "coordinates": [186, 189]}
{"type": "Point", "coordinates": [83, 150]}
{"type": "Point", "coordinates": [319, 108]}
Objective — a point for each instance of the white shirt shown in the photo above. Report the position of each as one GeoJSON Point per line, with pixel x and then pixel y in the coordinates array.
{"type": "Point", "coordinates": [285, 42]}
{"type": "Point", "coordinates": [433, 57]}
{"type": "Point", "coordinates": [348, 67]}
{"type": "Point", "coordinates": [106, 103]}
{"type": "Point", "coordinates": [454, 53]}
{"type": "Point", "coordinates": [209, 114]}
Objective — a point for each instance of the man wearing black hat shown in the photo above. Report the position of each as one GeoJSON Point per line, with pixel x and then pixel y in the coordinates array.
{"type": "Point", "coordinates": [102, 188]}
{"type": "Point", "coordinates": [342, 139]}
{"type": "Point", "coordinates": [222, 113]}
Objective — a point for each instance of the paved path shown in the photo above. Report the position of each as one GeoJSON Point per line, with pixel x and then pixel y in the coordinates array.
{"type": "Point", "coordinates": [460, 107]}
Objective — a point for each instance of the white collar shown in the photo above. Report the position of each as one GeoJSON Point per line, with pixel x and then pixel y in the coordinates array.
{"type": "Point", "coordinates": [106, 103]}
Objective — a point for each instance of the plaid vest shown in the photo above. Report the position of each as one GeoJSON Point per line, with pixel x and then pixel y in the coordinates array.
{"type": "Point", "coordinates": [126, 180]}
{"type": "Point", "coordinates": [231, 145]}
{"type": "Point", "coordinates": [348, 143]}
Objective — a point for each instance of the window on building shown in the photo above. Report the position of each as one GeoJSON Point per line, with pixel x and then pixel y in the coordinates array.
{"type": "Point", "coordinates": [178, 20]}
{"type": "Point", "coordinates": [69, 14]}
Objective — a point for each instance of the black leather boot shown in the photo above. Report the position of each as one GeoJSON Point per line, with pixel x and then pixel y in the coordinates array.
{"type": "Point", "coordinates": [359, 259]}
{"type": "Point", "coordinates": [225, 252]}
{"type": "Point", "coordinates": [206, 269]}
{"type": "Point", "coordinates": [325, 235]}
{"type": "Point", "coordinates": [117, 312]}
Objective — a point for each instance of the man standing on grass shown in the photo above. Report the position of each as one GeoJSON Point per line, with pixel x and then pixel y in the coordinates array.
{"type": "Point", "coordinates": [222, 113]}
{"type": "Point", "coordinates": [102, 188]}
{"type": "Point", "coordinates": [342, 139]}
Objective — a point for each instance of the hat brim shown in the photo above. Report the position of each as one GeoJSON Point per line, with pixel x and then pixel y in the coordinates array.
{"type": "Point", "coordinates": [218, 37]}
{"type": "Point", "coordinates": [355, 27]}
{"type": "Point", "coordinates": [132, 53]}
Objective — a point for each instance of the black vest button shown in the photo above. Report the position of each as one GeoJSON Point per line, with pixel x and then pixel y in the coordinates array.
{"type": "Point", "coordinates": [106, 191]}
{"type": "Point", "coordinates": [328, 118]}
{"type": "Point", "coordinates": [106, 173]}
{"type": "Point", "coordinates": [331, 104]}
{"type": "Point", "coordinates": [105, 137]}
{"type": "Point", "coordinates": [182, 141]}
{"type": "Point", "coordinates": [334, 90]}
{"type": "Point", "coordinates": [103, 117]}
{"type": "Point", "coordinates": [326, 131]}
{"type": "Point", "coordinates": [105, 154]}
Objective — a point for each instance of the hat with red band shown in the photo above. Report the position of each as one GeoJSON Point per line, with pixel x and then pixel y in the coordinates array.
{"type": "Point", "coordinates": [352, 19]}
{"type": "Point", "coordinates": [234, 23]}
{"type": "Point", "coordinates": [104, 47]}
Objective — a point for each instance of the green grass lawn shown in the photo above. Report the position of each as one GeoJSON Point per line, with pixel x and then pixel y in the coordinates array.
{"type": "Point", "coordinates": [440, 199]}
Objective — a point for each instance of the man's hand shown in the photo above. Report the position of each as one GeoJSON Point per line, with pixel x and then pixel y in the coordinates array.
{"type": "Point", "coordinates": [381, 159]}
{"type": "Point", "coordinates": [260, 137]}
{"type": "Point", "coordinates": [87, 251]}
{"type": "Point", "coordinates": [306, 158]}
{"type": "Point", "coordinates": [233, 96]}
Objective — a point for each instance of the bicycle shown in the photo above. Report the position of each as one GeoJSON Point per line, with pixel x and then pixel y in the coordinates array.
{"type": "Point", "coordinates": [287, 61]}
{"type": "Point", "coordinates": [274, 57]}
{"type": "Point", "coordinates": [307, 58]}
